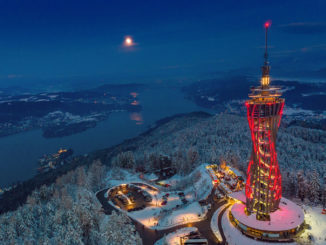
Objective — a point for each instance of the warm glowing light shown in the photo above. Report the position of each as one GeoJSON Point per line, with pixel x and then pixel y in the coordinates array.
{"type": "Point", "coordinates": [128, 42]}
{"type": "Point", "coordinates": [134, 94]}
{"type": "Point", "coordinates": [265, 81]}
{"type": "Point", "coordinates": [265, 163]}
{"type": "Point", "coordinates": [137, 117]}
{"type": "Point", "coordinates": [268, 24]}
{"type": "Point", "coordinates": [135, 102]}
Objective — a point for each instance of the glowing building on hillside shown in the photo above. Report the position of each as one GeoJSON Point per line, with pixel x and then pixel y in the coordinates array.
{"type": "Point", "coordinates": [264, 111]}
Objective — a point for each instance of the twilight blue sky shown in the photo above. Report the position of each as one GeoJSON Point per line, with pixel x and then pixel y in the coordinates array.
{"type": "Point", "coordinates": [75, 40]}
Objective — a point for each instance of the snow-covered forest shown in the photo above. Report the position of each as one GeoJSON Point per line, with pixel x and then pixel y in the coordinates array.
{"type": "Point", "coordinates": [68, 212]}
{"type": "Point", "coordinates": [190, 140]}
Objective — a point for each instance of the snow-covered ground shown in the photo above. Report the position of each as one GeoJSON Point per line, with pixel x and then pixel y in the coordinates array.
{"type": "Point", "coordinates": [297, 111]}
{"type": "Point", "coordinates": [152, 218]}
{"type": "Point", "coordinates": [174, 237]}
{"type": "Point", "coordinates": [203, 187]}
{"type": "Point", "coordinates": [174, 212]}
{"type": "Point", "coordinates": [214, 223]}
{"type": "Point", "coordinates": [150, 177]}
{"type": "Point", "coordinates": [235, 237]}
{"type": "Point", "coordinates": [317, 221]}
{"type": "Point", "coordinates": [191, 213]}
{"type": "Point", "coordinates": [124, 177]}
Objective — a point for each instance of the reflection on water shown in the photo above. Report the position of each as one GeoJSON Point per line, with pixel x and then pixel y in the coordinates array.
{"type": "Point", "coordinates": [134, 94]}
{"type": "Point", "coordinates": [135, 102]}
{"type": "Point", "coordinates": [137, 117]}
{"type": "Point", "coordinates": [156, 104]}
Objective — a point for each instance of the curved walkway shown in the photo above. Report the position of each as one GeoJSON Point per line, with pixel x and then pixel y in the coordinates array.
{"type": "Point", "coordinates": [219, 223]}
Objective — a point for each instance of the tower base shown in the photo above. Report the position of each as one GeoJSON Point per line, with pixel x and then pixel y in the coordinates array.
{"type": "Point", "coordinates": [284, 224]}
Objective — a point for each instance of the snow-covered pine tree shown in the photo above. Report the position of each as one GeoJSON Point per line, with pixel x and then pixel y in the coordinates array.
{"type": "Point", "coordinates": [301, 185]}
{"type": "Point", "coordinates": [120, 231]}
{"type": "Point", "coordinates": [323, 201]}
{"type": "Point", "coordinates": [314, 187]}
{"type": "Point", "coordinates": [289, 185]}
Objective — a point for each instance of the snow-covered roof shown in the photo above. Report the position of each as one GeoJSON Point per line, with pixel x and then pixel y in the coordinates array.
{"type": "Point", "coordinates": [239, 195]}
{"type": "Point", "coordinates": [151, 177]}
{"type": "Point", "coordinates": [288, 216]}
{"type": "Point", "coordinates": [235, 237]}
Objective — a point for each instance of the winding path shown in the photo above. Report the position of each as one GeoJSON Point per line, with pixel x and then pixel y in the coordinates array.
{"type": "Point", "coordinates": [219, 223]}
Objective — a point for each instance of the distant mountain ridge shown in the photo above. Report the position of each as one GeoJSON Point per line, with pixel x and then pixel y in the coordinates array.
{"type": "Point", "coordinates": [217, 93]}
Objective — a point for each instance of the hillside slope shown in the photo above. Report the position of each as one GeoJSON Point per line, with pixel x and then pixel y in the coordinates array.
{"type": "Point", "coordinates": [189, 139]}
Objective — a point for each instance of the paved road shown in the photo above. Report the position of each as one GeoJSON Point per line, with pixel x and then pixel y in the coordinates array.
{"type": "Point", "coordinates": [150, 236]}
{"type": "Point", "coordinates": [219, 223]}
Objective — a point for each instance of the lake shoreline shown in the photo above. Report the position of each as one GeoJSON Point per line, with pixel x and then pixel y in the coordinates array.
{"type": "Point", "coordinates": [12, 199]}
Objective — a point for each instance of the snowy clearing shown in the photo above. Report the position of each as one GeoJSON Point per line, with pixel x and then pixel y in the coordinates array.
{"type": "Point", "coordinates": [317, 221]}
{"type": "Point", "coordinates": [192, 213]}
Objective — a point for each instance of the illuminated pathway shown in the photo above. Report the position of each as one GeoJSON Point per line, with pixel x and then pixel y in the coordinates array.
{"type": "Point", "coordinates": [219, 223]}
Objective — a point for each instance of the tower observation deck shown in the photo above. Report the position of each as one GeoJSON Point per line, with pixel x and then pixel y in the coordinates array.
{"type": "Point", "coordinates": [264, 112]}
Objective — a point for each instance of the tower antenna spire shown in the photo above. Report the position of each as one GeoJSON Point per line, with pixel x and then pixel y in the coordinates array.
{"type": "Point", "coordinates": [265, 69]}
{"type": "Point", "coordinates": [267, 24]}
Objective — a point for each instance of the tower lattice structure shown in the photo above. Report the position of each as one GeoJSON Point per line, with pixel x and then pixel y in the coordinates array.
{"type": "Point", "coordinates": [264, 112]}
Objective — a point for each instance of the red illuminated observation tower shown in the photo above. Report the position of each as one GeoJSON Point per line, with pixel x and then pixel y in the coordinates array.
{"type": "Point", "coordinates": [264, 112]}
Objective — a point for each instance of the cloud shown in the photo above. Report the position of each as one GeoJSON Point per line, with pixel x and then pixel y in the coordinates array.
{"type": "Point", "coordinates": [11, 76]}
{"type": "Point", "coordinates": [304, 28]}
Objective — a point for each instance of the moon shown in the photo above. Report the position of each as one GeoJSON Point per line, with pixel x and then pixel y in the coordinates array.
{"type": "Point", "coordinates": [128, 42]}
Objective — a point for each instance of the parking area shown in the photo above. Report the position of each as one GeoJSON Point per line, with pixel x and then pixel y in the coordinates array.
{"type": "Point", "coordinates": [130, 197]}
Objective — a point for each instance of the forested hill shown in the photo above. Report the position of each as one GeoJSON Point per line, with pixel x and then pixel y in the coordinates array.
{"type": "Point", "coordinates": [189, 139]}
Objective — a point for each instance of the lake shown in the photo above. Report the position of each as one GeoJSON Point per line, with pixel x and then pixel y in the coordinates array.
{"type": "Point", "coordinates": [19, 153]}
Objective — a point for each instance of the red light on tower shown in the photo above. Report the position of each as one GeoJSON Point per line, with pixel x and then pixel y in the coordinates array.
{"type": "Point", "coordinates": [268, 24]}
